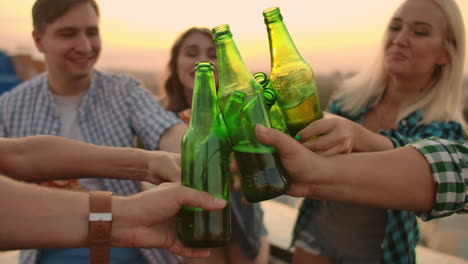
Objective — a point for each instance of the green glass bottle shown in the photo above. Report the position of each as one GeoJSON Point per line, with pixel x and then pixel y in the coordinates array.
{"type": "Point", "coordinates": [291, 76]}
{"type": "Point", "coordinates": [242, 105]}
{"type": "Point", "coordinates": [205, 166]}
{"type": "Point", "coordinates": [276, 116]}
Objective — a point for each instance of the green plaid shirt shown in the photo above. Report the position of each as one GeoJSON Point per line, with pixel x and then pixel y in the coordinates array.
{"type": "Point", "coordinates": [449, 165]}
{"type": "Point", "coordinates": [402, 233]}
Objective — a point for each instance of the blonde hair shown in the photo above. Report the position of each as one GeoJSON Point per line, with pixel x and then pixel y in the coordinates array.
{"type": "Point", "coordinates": [441, 102]}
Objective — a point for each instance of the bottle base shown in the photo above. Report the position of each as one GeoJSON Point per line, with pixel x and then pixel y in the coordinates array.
{"type": "Point", "coordinates": [204, 229]}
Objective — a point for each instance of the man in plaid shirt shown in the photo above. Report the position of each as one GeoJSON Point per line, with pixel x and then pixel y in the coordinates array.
{"type": "Point", "coordinates": [429, 176]}
{"type": "Point", "coordinates": [76, 101]}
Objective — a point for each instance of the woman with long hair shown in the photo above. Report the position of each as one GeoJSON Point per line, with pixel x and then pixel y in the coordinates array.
{"type": "Point", "coordinates": [413, 91]}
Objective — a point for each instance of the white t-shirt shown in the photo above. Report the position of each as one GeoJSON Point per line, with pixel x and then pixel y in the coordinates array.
{"type": "Point", "coordinates": [67, 108]}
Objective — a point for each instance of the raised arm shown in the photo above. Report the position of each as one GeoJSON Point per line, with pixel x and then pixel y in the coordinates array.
{"type": "Point", "coordinates": [39, 217]}
{"type": "Point", "coordinates": [396, 179]}
{"type": "Point", "coordinates": [42, 158]}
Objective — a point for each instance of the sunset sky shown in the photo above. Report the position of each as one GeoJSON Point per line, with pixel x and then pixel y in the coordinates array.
{"type": "Point", "coordinates": [331, 35]}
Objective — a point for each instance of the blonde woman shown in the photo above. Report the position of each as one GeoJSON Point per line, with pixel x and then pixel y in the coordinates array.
{"type": "Point", "coordinates": [413, 91]}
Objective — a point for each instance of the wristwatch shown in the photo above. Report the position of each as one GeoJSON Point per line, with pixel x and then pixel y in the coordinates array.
{"type": "Point", "coordinates": [99, 232]}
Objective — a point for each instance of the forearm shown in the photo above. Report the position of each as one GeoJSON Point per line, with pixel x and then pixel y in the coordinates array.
{"type": "Point", "coordinates": [368, 141]}
{"type": "Point", "coordinates": [39, 217]}
{"type": "Point", "coordinates": [397, 179]}
{"type": "Point", "coordinates": [41, 158]}
{"type": "Point", "coordinates": [172, 138]}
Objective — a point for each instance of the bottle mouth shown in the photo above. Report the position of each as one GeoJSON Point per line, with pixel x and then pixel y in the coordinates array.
{"type": "Point", "coordinates": [272, 14]}
{"type": "Point", "coordinates": [221, 32]}
{"type": "Point", "coordinates": [204, 64]}
{"type": "Point", "coordinates": [260, 77]}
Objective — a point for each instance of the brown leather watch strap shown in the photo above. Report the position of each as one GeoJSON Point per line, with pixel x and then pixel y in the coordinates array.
{"type": "Point", "coordinates": [100, 219]}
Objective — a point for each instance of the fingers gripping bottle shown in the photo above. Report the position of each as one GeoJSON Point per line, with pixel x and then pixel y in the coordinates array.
{"type": "Point", "coordinates": [291, 76]}
{"type": "Point", "coordinates": [205, 166]}
{"type": "Point", "coordinates": [276, 116]}
{"type": "Point", "coordinates": [242, 106]}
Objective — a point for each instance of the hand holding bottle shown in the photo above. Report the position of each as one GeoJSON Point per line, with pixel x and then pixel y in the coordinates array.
{"type": "Point", "coordinates": [334, 134]}
{"type": "Point", "coordinates": [241, 101]}
{"type": "Point", "coordinates": [205, 165]}
{"type": "Point", "coordinates": [330, 135]}
{"type": "Point", "coordinates": [143, 220]}
{"type": "Point", "coordinates": [146, 219]}
{"type": "Point", "coordinates": [373, 179]}
{"type": "Point", "coordinates": [302, 165]}
{"type": "Point", "coordinates": [158, 174]}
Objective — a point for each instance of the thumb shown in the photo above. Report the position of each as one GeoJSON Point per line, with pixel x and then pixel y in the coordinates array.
{"type": "Point", "coordinates": [191, 197]}
{"type": "Point", "coordinates": [284, 144]}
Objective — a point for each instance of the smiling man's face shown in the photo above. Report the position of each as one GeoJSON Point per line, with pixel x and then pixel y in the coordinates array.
{"type": "Point", "coordinates": [71, 43]}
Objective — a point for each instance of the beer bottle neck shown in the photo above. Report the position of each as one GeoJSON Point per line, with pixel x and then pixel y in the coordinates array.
{"type": "Point", "coordinates": [230, 64]}
{"type": "Point", "coordinates": [268, 93]}
{"type": "Point", "coordinates": [270, 97]}
{"type": "Point", "coordinates": [281, 45]}
{"type": "Point", "coordinates": [204, 107]}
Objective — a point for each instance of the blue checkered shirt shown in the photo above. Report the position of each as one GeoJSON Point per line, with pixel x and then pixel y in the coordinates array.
{"type": "Point", "coordinates": [114, 110]}
{"type": "Point", "coordinates": [402, 233]}
{"type": "Point", "coordinates": [449, 165]}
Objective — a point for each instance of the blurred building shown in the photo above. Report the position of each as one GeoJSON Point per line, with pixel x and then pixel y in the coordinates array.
{"type": "Point", "coordinates": [15, 69]}
{"type": "Point", "coordinates": [8, 76]}
{"type": "Point", "coordinates": [26, 67]}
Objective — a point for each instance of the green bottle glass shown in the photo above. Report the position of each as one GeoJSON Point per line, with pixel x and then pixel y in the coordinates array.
{"type": "Point", "coordinates": [291, 76]}
{"type": "Point", "coordinates": [205, 166]}
{"type": "Point", "coordinates": [276, 116]}
{"type": "Point", "coordinates": [242, 106]}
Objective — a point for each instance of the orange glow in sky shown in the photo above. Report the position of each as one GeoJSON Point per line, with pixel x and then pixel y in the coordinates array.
{"type": "Point", "coordinates": [332, 35]}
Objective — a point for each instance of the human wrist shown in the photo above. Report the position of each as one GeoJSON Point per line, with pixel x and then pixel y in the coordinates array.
{"type": "Point", "coordinates": [140, 163]}
{"type": "Point", "coordinates": [324, 179]}
{"type": "Point", "coordinates": [321, 178]}
{"type": "Point", "coordinates": [121, 212]}
{"type": "Point", "coordinates": [368, 141]}
{"type": "Point", "coordinates": [145, 159]}
{"type": "Point", "coordinates": [326, 170]}
{"type": "Point", "coordinates": [360, 132]}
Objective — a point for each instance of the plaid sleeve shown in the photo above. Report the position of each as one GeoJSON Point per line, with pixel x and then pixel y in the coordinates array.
{"type": "Point", "coordinates": [4, 110]}
{"type": "Point", "coordinates": [149, 119]}
{"type": "Point", "coordinates": [449, 164]}
{"type": "Point", "coordinates": [447, 130]}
